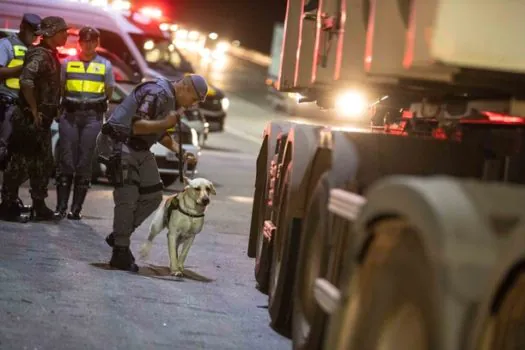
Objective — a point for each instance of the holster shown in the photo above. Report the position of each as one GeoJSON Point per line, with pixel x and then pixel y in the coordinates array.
{"type": "Point", "coordinates": [114, 168]}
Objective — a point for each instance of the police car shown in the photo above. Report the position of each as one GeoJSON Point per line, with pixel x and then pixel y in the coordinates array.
{"type": "Point", "coordinates": [167, 161]}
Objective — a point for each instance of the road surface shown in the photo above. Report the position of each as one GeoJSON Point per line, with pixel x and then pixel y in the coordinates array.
{"type": "Point", "coordinates": [56, 291]}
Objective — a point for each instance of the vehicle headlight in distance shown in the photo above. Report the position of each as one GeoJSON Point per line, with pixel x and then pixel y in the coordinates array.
{"type": "Point", "coordinates": [194, 137]}
{"type": "Point", "coordinates": [351, 103]}
{"type": "Point", "coordinates": [225, 103]}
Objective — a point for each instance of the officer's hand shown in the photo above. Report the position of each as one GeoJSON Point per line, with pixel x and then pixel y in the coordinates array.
{"type": "Point", "coordinates": [190, 158]}
{"type": "Point", "coordinates": [37, 117]}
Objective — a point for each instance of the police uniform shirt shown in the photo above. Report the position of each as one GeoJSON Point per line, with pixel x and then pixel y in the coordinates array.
{"type": "Point", "coordinates": [109, 79]}
{"type": "Point", "coordinates": [152, 99]}
{"type": "Point", "coordinates": [6, 55]}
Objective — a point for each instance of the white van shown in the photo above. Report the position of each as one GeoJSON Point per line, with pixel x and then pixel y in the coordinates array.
{"type": "Point", "coordinates": [116, 30]}
{"type": "Point", "coordinates": [124, 36]}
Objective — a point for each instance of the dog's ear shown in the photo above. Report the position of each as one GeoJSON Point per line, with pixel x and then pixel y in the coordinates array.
{"type": "Point", "coordinates": [186, 181]}
{"type": "Point", "coordinates": [212, 189]}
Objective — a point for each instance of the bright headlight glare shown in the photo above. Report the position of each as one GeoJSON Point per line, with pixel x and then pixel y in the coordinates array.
{"type": "Point", "coordinates": [225, 103]}
{"type": "Point", "coordinates": [351, 104]}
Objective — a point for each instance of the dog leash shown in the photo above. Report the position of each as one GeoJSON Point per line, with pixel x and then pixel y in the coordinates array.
{"type": "Point", "coordinates": [181, 154]}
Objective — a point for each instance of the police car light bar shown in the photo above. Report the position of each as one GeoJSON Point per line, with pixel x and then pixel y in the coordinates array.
{"type": "Point", "coordinates": [151, 12]}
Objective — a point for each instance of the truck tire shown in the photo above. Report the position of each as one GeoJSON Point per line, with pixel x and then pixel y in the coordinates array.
{"type": "Point", "coordinates": [308, 319]}
{"type": "Point", "coordinates": [259, 200]}
{"type": "Point", "coordinates": [395, 293]}
{"type": "Point", "coordinates": [283, 263]}
{"type": "Point", "coordinates": [505, 328]}
{"type": "Point", "coordinates": [266, 153]}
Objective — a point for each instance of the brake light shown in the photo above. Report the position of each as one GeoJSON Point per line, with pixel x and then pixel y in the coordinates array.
{"type": "Point", "coordinates": [151, 12]}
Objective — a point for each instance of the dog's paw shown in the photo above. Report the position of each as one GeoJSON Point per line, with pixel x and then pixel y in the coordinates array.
{"type": "Point", "coordinates": [144, 250]}
{"type": "Point", "coordinates": [176, 273]}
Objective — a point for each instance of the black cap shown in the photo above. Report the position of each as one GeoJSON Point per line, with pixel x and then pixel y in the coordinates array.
{"type": "Point", "coordinates": [52, 25]}
{"type": "Point", "coordinates": [88, 34]}
{"type": "Point", "coordinates": [32, 20]}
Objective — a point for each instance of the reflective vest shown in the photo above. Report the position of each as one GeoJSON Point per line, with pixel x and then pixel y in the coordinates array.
{"type": "Point", "coordinates": [123, 115]}
{"type": "Point", "coordinates": [85, 83]}
{"type": "Point", "coordinates": [19, 53]}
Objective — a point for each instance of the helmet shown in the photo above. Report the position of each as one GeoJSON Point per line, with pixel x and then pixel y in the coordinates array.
{"type": "Point", "coordinates": [88, 34]}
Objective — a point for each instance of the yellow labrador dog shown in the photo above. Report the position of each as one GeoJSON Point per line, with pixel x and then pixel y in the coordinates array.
{"type": "Point", "coordinates": [183, 215]}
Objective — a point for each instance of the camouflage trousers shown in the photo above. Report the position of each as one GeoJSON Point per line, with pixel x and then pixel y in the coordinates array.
{"type": "Point", "coordinates": [31, 157]}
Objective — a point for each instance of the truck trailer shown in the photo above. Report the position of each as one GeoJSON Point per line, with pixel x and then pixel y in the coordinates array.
{"type": "Point", "coordinates": [408, 234]}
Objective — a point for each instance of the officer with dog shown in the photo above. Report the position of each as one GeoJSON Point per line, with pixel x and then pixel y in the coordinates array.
{"type": "Point", "coordinates": [88, 84]}
{"type": "Point", "coordinates": [123, 145]}
{"type": "Point", "coordinates": [12, 54]}
{"type": "Point", "coordinates": [30, 141]}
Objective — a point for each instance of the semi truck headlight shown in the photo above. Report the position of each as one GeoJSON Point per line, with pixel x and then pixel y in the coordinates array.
{"type": "Point", "coordinates": [351, 104]}
{"type": "Point", "coordinates": [225, 103]}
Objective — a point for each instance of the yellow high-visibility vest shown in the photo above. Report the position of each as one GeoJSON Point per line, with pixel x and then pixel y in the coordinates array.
{"type": "Point", "coordinates": [19, 53]}
{"type": "Point", "coordinates": [85, 83]}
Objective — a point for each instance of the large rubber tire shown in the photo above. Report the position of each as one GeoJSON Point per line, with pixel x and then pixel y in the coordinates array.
{"type": "Point", "coordinates": [308, 319]}
{"type": "Point", "coordinates": [394, 294]}
{"type": "Point", "coordinates": [264, 253]}
{"type": "Point", "coordinates": [259, 201]}
{"type": "Point", "coordinates": [284, 262]}
{"type": "Point", "coordinates": [505, 329]}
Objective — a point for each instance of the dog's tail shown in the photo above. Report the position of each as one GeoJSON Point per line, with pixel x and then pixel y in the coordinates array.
{"type": "Point", "coordinates": [145, 249]}
{"type": "Point", "coordinates": [157, 225]}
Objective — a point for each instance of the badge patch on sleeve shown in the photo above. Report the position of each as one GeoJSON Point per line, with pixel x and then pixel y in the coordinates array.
{"type": "Point", "coordinates": [148, 107]}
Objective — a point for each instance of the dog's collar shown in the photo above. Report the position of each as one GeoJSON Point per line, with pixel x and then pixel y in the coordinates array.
{"type": "Point", "coordinates": [188, 214]}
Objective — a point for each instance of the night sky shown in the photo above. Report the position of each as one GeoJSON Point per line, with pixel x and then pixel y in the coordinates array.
{"type": "Point", "coordinates": [250, 21]}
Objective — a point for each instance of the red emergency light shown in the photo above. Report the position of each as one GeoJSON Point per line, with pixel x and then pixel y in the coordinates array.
{"type": "Point", "coordinates": [71, 51]}
{"type": "Point", "coordinates": [151, 12]}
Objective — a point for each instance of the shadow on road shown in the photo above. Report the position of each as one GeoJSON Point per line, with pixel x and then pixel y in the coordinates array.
{"type": "Point", "coordinates": [160, 272]}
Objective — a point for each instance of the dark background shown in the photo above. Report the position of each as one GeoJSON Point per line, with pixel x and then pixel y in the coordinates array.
{"type": "Point", "coordinates": [250, 21]}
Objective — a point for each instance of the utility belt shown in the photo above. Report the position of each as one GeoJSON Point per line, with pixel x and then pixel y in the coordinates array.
{"type": "Point", "coordinates": [137, 144]}
{"type": "Point", "coordinates": [72, 106]}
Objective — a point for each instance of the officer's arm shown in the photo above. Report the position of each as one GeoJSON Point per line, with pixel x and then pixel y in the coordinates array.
{"type": "Point", "coordinates": [168, 142]}
{"type": "Point", "coordinates": [32, 66]}
{"type": "Point", "coordinates": [146, 127]}
{"type": "Point", "coordinates": [7, 72]}
{"type": "Point", "coordinates": [144, 122]}
{"type": "Point", "coordinates": [109, 81]}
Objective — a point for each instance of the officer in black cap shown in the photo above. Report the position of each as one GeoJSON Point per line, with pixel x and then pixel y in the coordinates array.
{"type": "Point", "coordinates": [30, 142]}
{"type": "Point", "coordinates": [12, 55]}
{"type": "Point", "coordinates": [88, 84]}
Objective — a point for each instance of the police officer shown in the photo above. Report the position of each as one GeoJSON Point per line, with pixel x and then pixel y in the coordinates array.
{"type": "Point", "coordinates": [88, 84]}
{"type": "Point", "coordinates": [30, 142]}
{"type": "Point", "coordinates": [12, 53]}
{"type": "Point", "coordinates": [124, 142]}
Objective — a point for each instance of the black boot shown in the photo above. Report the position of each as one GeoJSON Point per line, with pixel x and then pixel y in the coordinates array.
{"type": "Point", "coordinates": [110, 240]}
{"type": "Point", "coordinates": [79, 195]}
{"type": "Point", "coordinates": [63, 186]}
{"type": "Point", "coordinates": [10, 211]}
{"type": "Point", "coordinates": [24, 208]}
{"type": "Point", "coordinates": [41, 212]}
{"type": "Point", "coordinates": [121, 259]}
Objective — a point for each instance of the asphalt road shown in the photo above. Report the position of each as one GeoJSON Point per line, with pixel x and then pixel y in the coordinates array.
{"type": "Point", "coordinates": [56, 291]}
